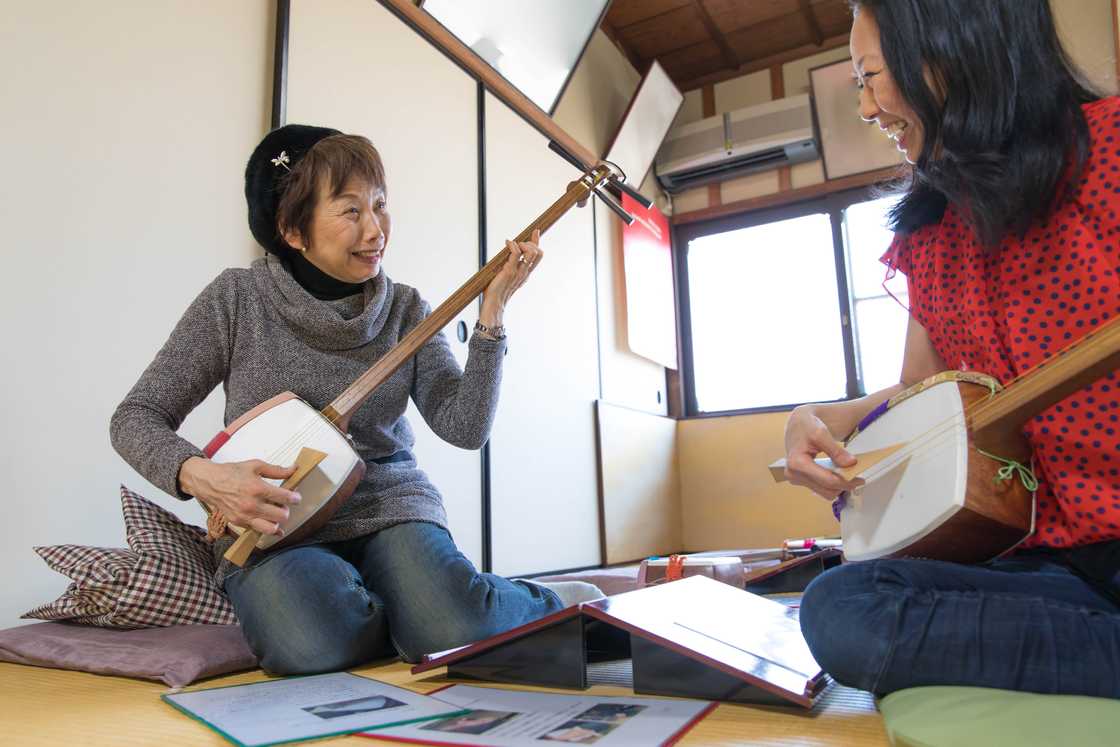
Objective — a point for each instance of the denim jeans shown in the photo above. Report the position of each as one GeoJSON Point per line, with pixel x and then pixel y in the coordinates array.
{"type": "Point", "coordinates": [405, 590]}
{"type": "Point", "coordinates": [1041, 620]}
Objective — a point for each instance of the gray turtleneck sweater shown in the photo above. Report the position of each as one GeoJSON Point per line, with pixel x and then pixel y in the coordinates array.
{"type": "Point", "coordinates": [257, 332]}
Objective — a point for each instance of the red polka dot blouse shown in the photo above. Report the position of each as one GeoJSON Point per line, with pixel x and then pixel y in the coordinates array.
{"type": "Point", "coordinates": [1004, 312]}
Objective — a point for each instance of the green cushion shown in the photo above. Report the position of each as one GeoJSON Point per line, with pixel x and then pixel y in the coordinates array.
{"type": "Point", "coordinates": [966, 716]}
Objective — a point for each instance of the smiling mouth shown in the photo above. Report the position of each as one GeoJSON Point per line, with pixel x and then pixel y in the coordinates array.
{"type": "Point", "coordinates": [895, 129]}
{"type": "Point", "coordinates": [370, 254]}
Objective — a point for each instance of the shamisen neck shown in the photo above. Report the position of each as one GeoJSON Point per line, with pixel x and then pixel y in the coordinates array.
{"type": "Point", "coordinates": [343, 407]}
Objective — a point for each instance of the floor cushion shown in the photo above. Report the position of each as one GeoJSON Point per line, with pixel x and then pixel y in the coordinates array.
{"type": "Point", "coordinates": [984, 717]}
{"type": "Point", "coordinates": [176, 655]}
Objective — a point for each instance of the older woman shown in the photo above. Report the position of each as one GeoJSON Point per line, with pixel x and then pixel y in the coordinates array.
{"type": "Point", "coordinates": [383, 576]}
{"type": "Point", "coordinates": [1007, 236]}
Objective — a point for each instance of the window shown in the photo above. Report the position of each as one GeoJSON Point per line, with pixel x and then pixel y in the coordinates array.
{"type": "Point", "coordinates": [879, 319]}
{"type": "Point", "coordinates": [788, 305]}
{"type": "Point", "coordinates": [765, 322]}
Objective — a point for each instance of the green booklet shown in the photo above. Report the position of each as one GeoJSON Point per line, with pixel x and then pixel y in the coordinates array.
{"type": "Point", "coordinates": [297, 708]}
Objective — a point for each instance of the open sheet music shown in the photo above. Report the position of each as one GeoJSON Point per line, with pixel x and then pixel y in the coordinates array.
{"type": "Point", "coordinates": [512, 718]}
{"type": "Point", "coordinates": [297, 708]}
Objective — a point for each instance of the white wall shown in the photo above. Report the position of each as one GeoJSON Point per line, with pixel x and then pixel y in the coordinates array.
{"type": "Point", "coordinates": [590, 111]}
{"type": "Point", "coordinates": [354, 66]}
{"type": "Point", "coordinates": [544, 488]}
{"type": "Point", "coordinates": [126, 129]}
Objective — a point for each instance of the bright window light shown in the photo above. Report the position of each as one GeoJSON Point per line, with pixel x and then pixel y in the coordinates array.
{"type": "Point", "coordinates": [765, 316]}
{"type": "Point", "coordinates": [880, 320]}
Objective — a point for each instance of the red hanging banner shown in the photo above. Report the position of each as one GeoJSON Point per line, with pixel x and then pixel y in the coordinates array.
{"type": "Point", "coordinates": [651, 328]}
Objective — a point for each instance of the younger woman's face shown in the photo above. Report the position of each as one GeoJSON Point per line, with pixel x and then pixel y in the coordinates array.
{"type": "Point", "coordinates": [349, 232]}
{"type": "Point", "coordinates": [880, 101]}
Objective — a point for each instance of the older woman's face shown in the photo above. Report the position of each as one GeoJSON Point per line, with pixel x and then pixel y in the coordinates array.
{"type": "Point", "coordinates": [349, 232]}
{"type": "Point", "coordinates": [880, 101]}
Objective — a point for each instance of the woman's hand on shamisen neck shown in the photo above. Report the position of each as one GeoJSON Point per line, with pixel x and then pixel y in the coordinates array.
{"type": "Point", "coordinates": [524, 258]}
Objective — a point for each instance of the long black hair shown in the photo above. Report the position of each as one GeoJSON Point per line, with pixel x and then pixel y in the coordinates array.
{"type": "Point", "coordinates": [1005, 125]}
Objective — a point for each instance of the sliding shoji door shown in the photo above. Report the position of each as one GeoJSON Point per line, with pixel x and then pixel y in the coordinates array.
{"type": "Point", "coordinates": [544, 483]}
{"type": "Point", "coordinates": [354, 66]}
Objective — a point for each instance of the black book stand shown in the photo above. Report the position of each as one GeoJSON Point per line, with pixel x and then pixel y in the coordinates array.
{"type": "Point", "coordinates": [694, 638]}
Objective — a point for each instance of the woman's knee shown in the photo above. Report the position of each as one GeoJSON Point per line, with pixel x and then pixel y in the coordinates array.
{"type": "Point", "coordinates": [414, 638]}
{"type": "Point", "coordinates": [839, 621]}
{"type": "Point", "coordinates": [308, 612]}
{"type": "Point", "coordinates": [318, 654]}
{"type": "Point", "coordinates": [435, 596]}
{"type": "Point", "coordinates": [823, 594]}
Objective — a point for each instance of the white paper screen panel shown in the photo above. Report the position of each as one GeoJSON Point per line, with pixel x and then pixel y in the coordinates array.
{"type": "Point", "coordinates": [652, 110]}
{"type": "Point", "coordinates": [544, 486]}
{"type": "Point", "coordinates": [641, 483]}
{"type": "Point", "coordinates": [354, 66]}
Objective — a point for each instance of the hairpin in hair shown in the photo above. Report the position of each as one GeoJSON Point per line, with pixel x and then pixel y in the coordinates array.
{"type": "Point", "coordinates": [282, 160]}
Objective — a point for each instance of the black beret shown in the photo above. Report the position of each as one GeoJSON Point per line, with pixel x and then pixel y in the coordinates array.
{"type": "Point", "coordinates": [263, 178]}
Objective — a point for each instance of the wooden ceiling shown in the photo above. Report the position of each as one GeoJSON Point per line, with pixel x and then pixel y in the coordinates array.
{"type": "Point", "coordinates": [699, 42]}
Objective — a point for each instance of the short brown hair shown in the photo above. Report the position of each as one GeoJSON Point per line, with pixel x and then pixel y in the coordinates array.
{"type": "Point", "coordinates": [332, 161]}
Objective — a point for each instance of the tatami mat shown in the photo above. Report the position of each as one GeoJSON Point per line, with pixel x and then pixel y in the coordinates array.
{"type": "Point", "coordinates": [53, 707]}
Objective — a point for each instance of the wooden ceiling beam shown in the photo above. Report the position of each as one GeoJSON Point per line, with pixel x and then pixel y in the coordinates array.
{"type": "Point", "coordinates": [612, 34]}
{"type": "Point", "coordinates": [753, 66]}
{"type": "Point", "coordinates": [666, 33]}
{"type": "Point", "coordinates": [729, 55]}
{"type": "Point", "coordinates": [653, 18]}
{"type": "Point", "coordinates": [810, 19]}
{"type": "Point", "coordinates": [626, 13]}
{"type": "Point", "coordinates": [430, 29]}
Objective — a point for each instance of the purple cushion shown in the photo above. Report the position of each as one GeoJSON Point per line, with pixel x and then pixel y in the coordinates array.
{"type": "Point", "coordinates": [176, 655]}
{"type": "Point", "coordinates": [164, 577]}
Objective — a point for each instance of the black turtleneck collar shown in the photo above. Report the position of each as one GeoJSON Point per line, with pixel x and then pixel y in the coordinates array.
{"type": "Point", "coordinates": [318, 283]}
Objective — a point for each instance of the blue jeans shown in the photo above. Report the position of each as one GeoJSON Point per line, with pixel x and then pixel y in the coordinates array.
{"type": "Point", "coordinates": [1041, 620]}
{"type": "Point", "coordinates": [405, 590]}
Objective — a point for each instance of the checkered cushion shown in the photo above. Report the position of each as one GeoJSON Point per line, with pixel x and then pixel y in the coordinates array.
{"type": "Point", "coordinates": [165, 577]}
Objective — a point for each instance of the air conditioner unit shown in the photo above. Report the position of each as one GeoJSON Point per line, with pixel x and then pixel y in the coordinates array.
{"type": "Point", "coordinates": [756, 138]}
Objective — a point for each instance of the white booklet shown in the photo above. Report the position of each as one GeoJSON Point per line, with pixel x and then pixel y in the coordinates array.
{"type": "Point", "coordinates": [513, 718]}
{"type": "Point", "coordinates": [298, 708]}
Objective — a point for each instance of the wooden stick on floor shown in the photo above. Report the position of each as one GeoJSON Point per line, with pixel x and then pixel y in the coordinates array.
{"type": "Point", "coordinates": [240, 550]}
